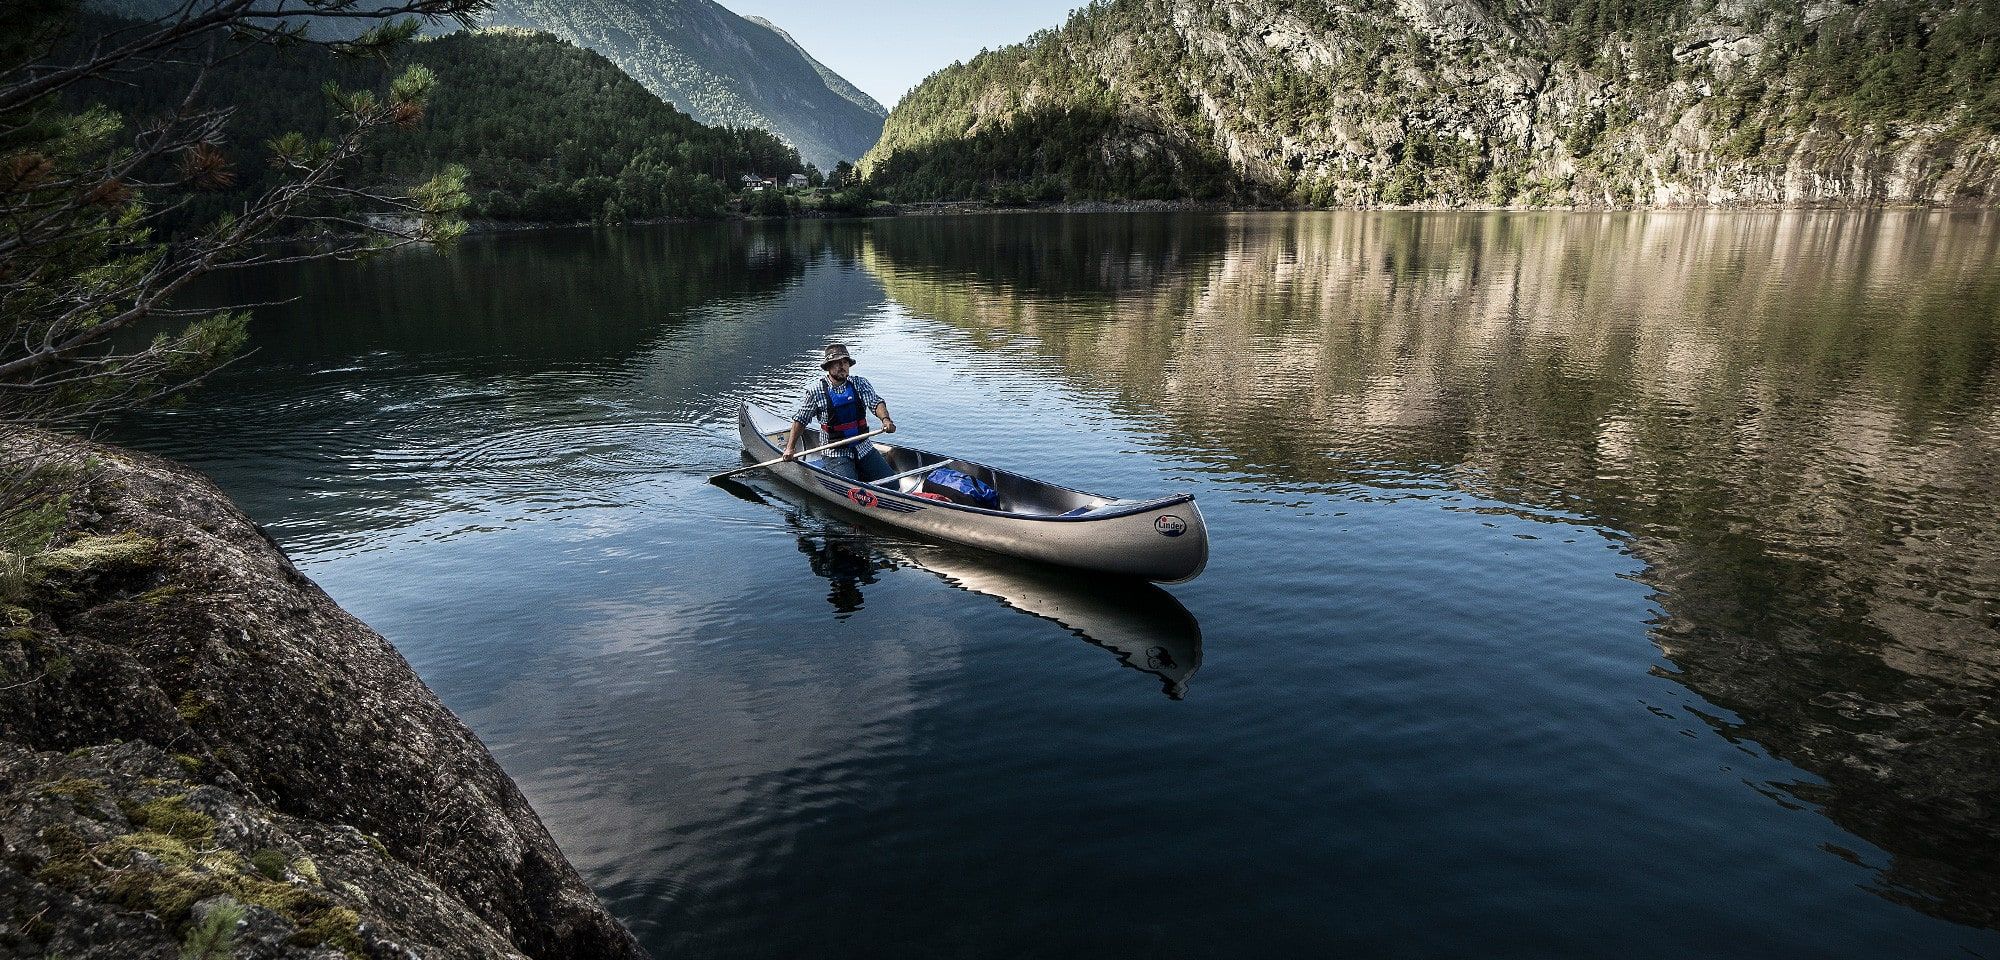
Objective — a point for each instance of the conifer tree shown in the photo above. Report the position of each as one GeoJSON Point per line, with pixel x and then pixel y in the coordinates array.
{"type": "Point", "coordinates": [83, 191]}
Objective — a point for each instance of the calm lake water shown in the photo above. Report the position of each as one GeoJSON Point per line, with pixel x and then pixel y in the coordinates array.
{"type": "Point", "coordinates": [1582, 585]}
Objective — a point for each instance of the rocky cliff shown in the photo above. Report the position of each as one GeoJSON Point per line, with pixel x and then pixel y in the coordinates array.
{"type": "Point", "coordinates": [1471, 102]}
{"type": "Point", "coordinates": [201, 755]}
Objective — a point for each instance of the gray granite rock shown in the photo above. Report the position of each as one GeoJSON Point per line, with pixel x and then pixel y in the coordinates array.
{"type": "Point", "coordinates": [186, 717]}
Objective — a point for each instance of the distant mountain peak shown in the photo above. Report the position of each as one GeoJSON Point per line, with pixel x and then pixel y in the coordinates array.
{"type": "Point", "coordinates": [835, 82]}
{"type": "Point", "coordinates": [718, 66]}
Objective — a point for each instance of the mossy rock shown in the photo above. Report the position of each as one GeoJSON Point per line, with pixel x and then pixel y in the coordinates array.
{"type": "Point", "coordinates": [139, 875]}
{"type": "Point", "coordinates": [191, 708]}
{"type": "Point", "coordinates": [160, 595]}
{"type": "Point", "coordinates": [61, 574]}
{"type": "Point", "coordinates": [169, 863]}
{"type": "Point", "coordinates": [271, 863]}
{"type": "Point", "coordinates": [336, 927]}
{"type": "Point", "coordinates": [80, 789]}
{"type": "Point", "coordinates": [164, 848]}
{"type": "Point", "coordinates": [166, 876]}
{"type": "Point", "coordinates": [171, 816]}
{"type": "Point", "coordinates": [95, 555]}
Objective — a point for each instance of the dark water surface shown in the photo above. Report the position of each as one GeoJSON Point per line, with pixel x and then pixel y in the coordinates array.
{"type": "Point", "coordinates": [1582, 585]}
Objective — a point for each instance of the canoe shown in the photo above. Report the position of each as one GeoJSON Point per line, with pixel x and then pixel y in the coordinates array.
{"type": "Point", "coordinates": [1163, 540]}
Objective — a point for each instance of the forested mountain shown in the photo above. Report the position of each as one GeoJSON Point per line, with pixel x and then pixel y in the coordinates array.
{"type": "Point", "coordinates": [834, 82]}
{"type": "Point", "coordinates": [545, 130]}
{"type": "Point", "coordinates": [1470, 102]}
{"type": "Point", "coordinates": [719, 67]}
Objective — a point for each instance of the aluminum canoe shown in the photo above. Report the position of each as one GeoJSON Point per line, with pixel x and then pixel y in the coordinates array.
{"type": "Point", "coordinates": [1163, 540]}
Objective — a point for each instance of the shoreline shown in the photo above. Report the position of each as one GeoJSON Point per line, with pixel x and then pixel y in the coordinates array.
{"type": "Point", "coordinates": [954, 208]}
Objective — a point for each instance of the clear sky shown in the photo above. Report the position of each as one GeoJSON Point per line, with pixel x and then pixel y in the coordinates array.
{"type": "Point", "coordinates": [885, 47]}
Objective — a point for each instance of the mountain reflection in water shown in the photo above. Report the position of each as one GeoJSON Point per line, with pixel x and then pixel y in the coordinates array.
{"type": "Point", "coordinates": [1795, 418]}
{"type": "Point", "coordinates": [1582, 585]}
{"type": "Point", "coordinates": [1142, 624]}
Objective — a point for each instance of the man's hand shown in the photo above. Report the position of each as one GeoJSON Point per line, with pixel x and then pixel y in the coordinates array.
{"type": "Point", "coordinates": [789, 455]}
{"type": "Point", "coordinates": [888, 425]}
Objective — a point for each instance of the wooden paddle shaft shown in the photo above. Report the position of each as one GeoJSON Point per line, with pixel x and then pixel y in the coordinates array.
{"type": "Point", "coordinates": [801, 453]}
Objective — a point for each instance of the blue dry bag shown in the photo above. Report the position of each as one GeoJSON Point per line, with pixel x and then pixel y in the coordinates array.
{"type": "Point", "coordinates": [961, 487]}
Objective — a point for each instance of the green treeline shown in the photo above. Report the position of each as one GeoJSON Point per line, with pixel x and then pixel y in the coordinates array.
{"type": "Point", "coordinates": [1061, 132]}
{"type": "Point", "coordinates": [1073, 153]}
{"type": "Point", "coordinates": [1887, 61]}
{"type": "Point", "coordinates": [549, 131]}
{"type": "Point", "coordinates": [719, 67]}
{"type": "Point", "coordinates": [546, 131]}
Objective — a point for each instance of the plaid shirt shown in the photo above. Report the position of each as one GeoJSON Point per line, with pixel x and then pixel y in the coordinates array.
{"type": "Point", "coordinates": [813, 406]}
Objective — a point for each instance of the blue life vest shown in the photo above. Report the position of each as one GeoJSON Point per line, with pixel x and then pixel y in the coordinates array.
{"type": "Point", "coordinates": [845, 416]}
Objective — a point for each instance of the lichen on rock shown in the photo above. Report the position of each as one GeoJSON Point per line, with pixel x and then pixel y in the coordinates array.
{"type": "Point", "coordinates": [191, 731]}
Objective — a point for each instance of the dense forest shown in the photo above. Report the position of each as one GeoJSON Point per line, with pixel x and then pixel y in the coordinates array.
{"type": "Point", "coordinates": [719, 67]}
{"type": "Point", "coordinates": [1078, 144]}
{"type": "Point", "coordinates": [1537, 102]}
{"type": "Point", "coordinates": [546, 131]}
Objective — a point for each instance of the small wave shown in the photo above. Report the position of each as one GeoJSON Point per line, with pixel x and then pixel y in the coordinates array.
{"type": "Point", "coordinates": [582, 451]}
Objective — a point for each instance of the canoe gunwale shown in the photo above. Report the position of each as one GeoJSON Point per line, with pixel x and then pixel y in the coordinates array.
{"type": "Point", "coordinates": [1108, 513]}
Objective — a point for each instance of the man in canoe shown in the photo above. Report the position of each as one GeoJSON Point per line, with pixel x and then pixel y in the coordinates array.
{"type": "Point", "coordinates": [840, 403]}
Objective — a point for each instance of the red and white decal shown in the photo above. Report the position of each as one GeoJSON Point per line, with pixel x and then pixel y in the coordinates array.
{"type": "Point", "coordinates": [864, 499]}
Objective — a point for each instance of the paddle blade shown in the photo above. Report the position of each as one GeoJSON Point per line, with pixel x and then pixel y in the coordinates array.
{"type": "Point", "coordinates": [741, 491]}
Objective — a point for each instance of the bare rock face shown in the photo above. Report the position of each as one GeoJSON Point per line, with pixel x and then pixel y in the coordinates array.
{"type": "Point", "coordinates": [195, 741]}
{"type": "Point", "coordinates": [1451, 103]}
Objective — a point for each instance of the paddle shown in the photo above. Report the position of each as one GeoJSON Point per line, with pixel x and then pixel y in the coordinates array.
{"type": "Point", "coordinates": [837, 443]}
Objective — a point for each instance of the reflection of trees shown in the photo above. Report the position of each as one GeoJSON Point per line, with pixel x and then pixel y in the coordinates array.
{"type": "Point", "coordinates": [593, 296]}
{"type": "Point", "coordinates": [495, 366]}
{"type": "Point", "coordinates": [1796, 417]}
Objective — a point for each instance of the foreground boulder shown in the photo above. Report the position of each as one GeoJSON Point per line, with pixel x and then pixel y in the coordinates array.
{"type": "Point", "coordinates": [202, 755]}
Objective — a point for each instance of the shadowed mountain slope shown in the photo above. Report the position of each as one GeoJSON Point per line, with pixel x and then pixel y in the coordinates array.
{"type": "Point", "coordinates": [719, 67]}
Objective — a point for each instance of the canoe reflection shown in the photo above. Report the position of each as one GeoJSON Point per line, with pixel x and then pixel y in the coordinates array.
{"type": "Point", "coordinates": [1142, 624]}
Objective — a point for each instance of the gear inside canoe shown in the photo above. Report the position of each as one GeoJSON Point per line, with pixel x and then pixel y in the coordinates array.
{"type": "Point", "coordinates": [914, 472]}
